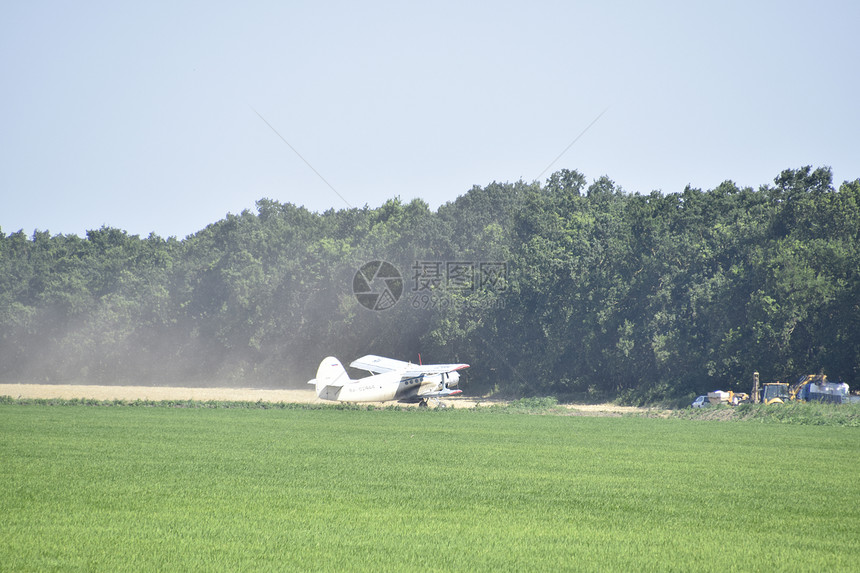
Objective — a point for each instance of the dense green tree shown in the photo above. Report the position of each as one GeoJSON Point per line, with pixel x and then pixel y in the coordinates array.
{"type": "Point", "coordinates": [602, 293]}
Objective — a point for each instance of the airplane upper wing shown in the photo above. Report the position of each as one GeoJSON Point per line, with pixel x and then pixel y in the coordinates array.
{"type": "Point", "coordinates": [380, 364]}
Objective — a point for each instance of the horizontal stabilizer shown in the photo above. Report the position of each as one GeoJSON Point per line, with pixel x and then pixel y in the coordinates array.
{"type": "Point", "coordinates": [335, 384]}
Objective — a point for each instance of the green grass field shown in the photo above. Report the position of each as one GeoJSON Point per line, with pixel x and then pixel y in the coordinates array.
{"type": "Point", "coordinates": [142, 488]}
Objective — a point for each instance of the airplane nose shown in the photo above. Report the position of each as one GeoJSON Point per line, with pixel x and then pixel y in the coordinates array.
{"type": "Point", "coordinates": [453, 379]}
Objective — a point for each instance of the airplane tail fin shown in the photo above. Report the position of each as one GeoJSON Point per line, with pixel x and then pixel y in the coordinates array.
{"type": "Point", "coordinates": [330, 373]}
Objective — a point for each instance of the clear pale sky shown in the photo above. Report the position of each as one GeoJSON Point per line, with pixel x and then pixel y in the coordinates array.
{"type": "Point", "coordinates": [144, 115]}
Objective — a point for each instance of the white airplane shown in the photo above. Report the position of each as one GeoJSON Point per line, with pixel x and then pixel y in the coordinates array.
{"type": "Point", "coordinates": [389, 380]}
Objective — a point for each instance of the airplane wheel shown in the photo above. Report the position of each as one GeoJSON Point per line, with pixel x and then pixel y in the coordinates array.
{"type": "Point", "coordinates": [422, 404]}
{"type": "Point", "coordinates": [442, 405]}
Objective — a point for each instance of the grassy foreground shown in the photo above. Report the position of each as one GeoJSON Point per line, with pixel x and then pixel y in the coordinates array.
{"type": "Point", "coordinates": [385, 490]}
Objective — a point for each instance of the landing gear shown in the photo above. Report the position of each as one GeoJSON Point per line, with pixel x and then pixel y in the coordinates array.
{"type": "Point", "coordinates": [424, 403]}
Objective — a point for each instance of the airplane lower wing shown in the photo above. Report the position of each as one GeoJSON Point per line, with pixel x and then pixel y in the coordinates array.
{"type": "Point", "coordinates": [441, 393]}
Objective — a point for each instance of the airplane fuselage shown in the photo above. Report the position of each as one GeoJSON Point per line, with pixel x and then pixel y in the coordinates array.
{"type": "Point", "coordinates": [383, 388]}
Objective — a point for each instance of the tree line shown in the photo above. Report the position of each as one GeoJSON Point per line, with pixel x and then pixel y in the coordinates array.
{"type": "Point", "coordinates": [560, 288]}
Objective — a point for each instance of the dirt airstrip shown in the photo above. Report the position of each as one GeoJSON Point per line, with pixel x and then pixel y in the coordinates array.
{"type": "Point", "coordinates": [158, 393]}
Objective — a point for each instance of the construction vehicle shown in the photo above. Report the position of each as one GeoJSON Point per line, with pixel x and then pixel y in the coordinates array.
{"type": "Point", "coordinates": [729, 398]}
{"type": "Point", "coordinates": [816, 387]}
{"type": "Point", "coordinates": [769, 392]}
{"type": "Point", "coordinates": [775, 393]}
{"type": "Point", "coordinates": [808, 387]}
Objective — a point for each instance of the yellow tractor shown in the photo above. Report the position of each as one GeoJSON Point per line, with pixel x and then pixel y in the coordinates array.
{"type": "Point", "coordinates": [769, 392]}
{"type": "Point", "coordinates": [775, 393]}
